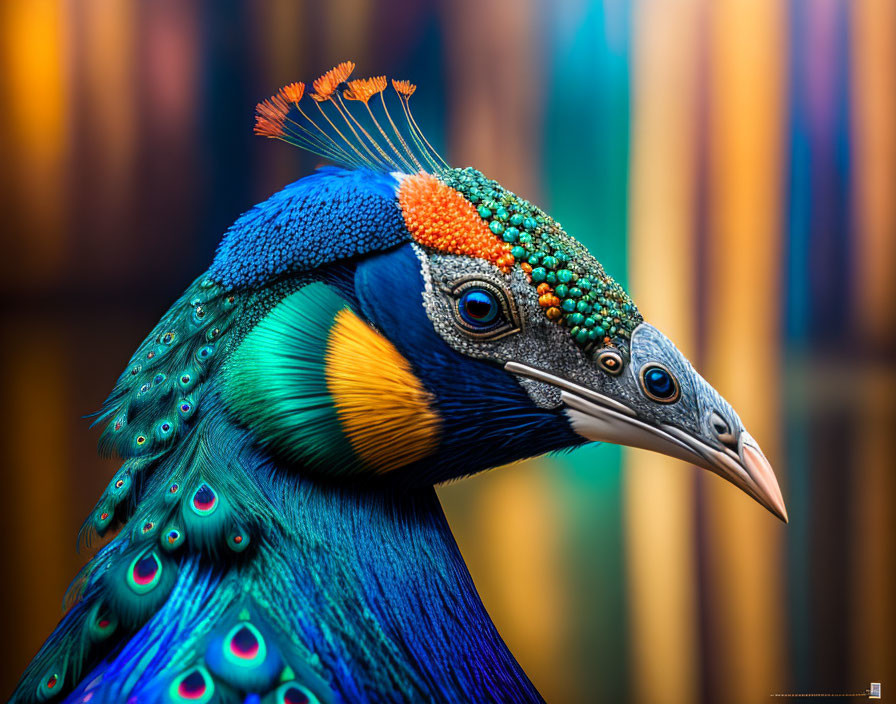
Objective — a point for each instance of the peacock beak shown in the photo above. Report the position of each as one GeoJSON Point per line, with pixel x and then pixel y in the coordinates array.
{"type": "Point", "coordinates": [747, 468]}
{"type": "Point", "coordinates": [602, 419]}
{"type": "Point", "coordinates": [761, 471]}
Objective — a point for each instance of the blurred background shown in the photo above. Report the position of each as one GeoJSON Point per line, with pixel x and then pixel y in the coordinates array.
{"type": "Point", "coordinates": [733, 162]}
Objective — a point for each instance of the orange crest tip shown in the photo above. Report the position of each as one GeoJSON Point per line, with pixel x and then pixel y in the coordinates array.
{"type": "Point", "coordinates": [293, 92]}
{"type": "Point", "coordinates": [363, 89]}
{"type": "Point", "coordinates": [405, 88]}
{"type": "Point", "coordinates": [270, 115]}
{"type": "Point", "coordinates": [327, 84]}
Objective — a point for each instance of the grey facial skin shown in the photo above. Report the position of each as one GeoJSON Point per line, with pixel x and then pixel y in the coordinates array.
{"type": "Point", "coordinates": [698, 426]}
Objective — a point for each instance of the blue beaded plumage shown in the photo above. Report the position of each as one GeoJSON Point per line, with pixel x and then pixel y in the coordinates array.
{"type": "Point", "coordinates": [332, 215]}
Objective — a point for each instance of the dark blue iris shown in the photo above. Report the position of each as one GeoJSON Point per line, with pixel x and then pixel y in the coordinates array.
{"type": "Point", "coordinates": [659, 383]}
{"type": "Point", "coordinates": [478, 307]}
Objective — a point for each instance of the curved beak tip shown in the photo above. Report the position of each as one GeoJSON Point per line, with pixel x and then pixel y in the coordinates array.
{"type": "Point", "coordinates": [768, 493]}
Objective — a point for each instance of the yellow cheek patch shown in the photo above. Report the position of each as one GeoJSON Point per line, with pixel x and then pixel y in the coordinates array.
{"type": "Point", "coordinates": [383, 409]}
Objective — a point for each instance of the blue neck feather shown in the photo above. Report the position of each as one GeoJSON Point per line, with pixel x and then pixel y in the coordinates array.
{"type": "Point", "coordinates": [378, 589]}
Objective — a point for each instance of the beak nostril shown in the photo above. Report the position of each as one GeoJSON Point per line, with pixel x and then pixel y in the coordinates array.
{"type": "Point", "coordinates": [729, 441]}
{"type": "Point", "coordinates": [722, 431]}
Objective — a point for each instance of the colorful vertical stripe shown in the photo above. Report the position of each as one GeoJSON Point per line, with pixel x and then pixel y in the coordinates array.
{"type": "Point", "coordinates": [586, 167]}
{"type": "Point", "coordinates": [660, 500]}
{"type": "Point", "coordinates": [743, 548]}
{"type": "Point", "coordinates": [872, 42]}
{"type": "Point", "coordinates": [36, 132]}
{"type": "Point", "coordinates": [739, 157]}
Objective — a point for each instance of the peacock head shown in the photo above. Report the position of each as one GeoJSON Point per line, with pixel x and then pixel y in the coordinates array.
{"type": "Point", "coordinates": [402, 320]}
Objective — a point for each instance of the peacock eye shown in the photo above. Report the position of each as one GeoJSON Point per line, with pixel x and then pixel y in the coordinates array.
{"type": "Point", "coordinates": [659, 384]}
{"type": "Point", "coordinates": [478, 307]}
{"type": "Point", "coordinates": [482, 310]}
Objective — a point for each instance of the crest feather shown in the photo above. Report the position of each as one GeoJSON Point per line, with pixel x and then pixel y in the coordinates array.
{"type": "Point", "coordinates": [345, 123]}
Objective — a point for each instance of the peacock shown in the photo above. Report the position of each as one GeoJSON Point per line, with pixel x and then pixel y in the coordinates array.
{"type": "Point", "coordinates": [380, 326]}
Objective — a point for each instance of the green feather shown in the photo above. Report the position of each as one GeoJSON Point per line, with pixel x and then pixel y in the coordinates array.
{"type": "Point", "coordinates": [206, 528]}
{"type": "Point", "coordinates": [101, 623]}
{"type": "Point", "coordinates": [276, 382]}
{"type": "Point", "coordinates": [287, 692]}
{"type": "Point", "coordinates": [132, 595]}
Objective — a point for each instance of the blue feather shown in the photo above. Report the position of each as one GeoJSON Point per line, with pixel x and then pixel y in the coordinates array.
{"type": "Point", "coordinates": [329, 216]}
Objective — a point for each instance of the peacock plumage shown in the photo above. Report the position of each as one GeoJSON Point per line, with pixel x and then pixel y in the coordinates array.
{"type": "Point", "coordinates": [368, 332]}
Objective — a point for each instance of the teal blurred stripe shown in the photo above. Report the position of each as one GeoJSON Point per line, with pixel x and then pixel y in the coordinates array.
{"type": "Point", "coordinates": [586, 145]}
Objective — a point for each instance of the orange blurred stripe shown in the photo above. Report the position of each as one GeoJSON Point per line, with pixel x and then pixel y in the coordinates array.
{"type": "Point", "coordinates": [507, 529]}
{"type": "Point", "coordinates": [107, 48]}
{"type": "Point", "coordinates": [347, 33]}
{"type": "Point", "coordinates": [873, 58]}
{"type": "Point", "coordinates": [36, 106]}
{"type": "Point", "coordinates": [107, 82]}
{"type": "Point", "coordinates": [659, 491]}
{"type": "Point", "coordinates": [278, 27]}
{"type": "Point", "coordinates": [873, 54]}
{"type": "Point", "coordinates": [744, 542]}
{"type": "Point", "coordinates": [36, 474]}
{"type": "Point", "coordinates": [277, 34]}
{"type": "Point", "coordinates": [872, 649]}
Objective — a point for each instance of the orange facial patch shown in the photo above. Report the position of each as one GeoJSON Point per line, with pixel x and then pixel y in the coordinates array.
{"type": "Point", "coordinates": [439, 217]}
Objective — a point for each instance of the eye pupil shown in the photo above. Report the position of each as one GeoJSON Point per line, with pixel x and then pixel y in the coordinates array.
{"type": "Point", "coordinates": [659, 384]}
{"type": "Point", "coordinates": [658, 381]}
{"type": "Point", "coordinates": [610, 361]}
{"type": "Point", "coordinates": [478, 307]}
